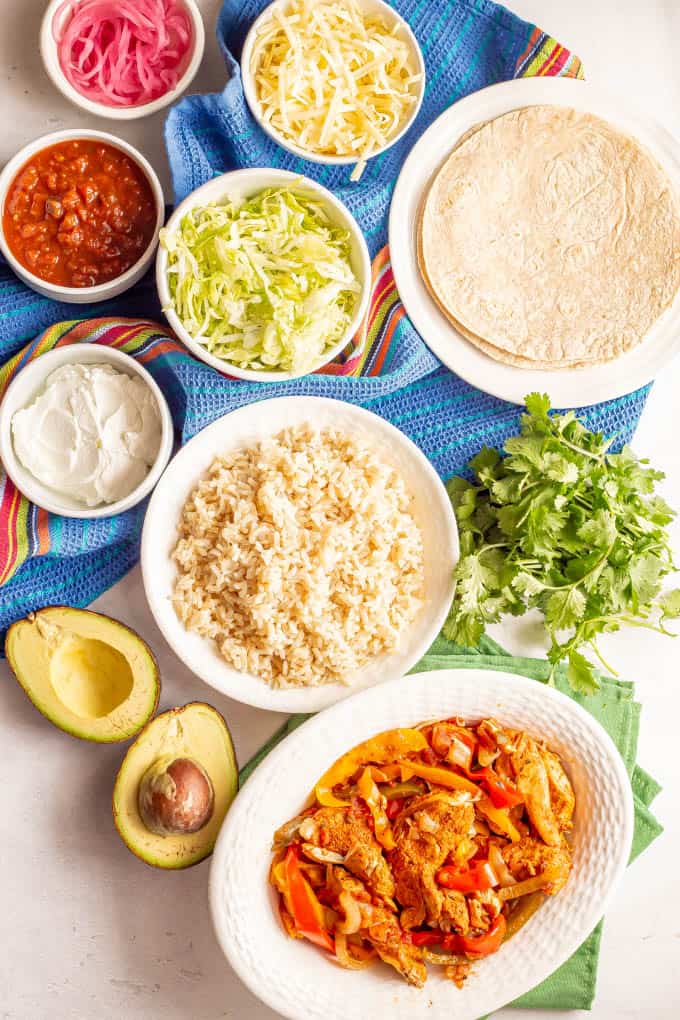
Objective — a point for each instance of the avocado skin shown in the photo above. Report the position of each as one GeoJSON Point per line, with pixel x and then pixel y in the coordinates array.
{"type": "Point", "coordinates": [79, 730]}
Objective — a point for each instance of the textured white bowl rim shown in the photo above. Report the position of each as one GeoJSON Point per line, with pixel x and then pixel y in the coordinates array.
{"type": "Point", "coordinates": [39, 369]}
{"type": "Point", "coordinates": [568, 387]}
{"type": "Point", "coordinates": [250, 94]}
{"type": "Point", "coordinates": [244, 427]}
{"type": "Point", "coordinates": [295, 979]}
{"type": "Point", "coordinates": [101, 291]}
{"type": "Point", "coordinates": [239, 178]}
{"type": "Point", "coordinates": [48, 51]}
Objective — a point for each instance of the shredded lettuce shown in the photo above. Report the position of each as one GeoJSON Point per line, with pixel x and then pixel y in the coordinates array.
{"type": "Point", "coordinates": [265, 283]}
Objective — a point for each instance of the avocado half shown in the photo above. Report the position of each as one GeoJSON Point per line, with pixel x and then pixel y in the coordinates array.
{"type": "Point", "coordinates": [88, 674]}
{"type": "Point", "coordinates": [196, 732]}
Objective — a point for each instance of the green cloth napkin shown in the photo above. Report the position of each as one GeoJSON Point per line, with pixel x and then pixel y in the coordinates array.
{"type": "Point", "coordinates": [572, 986]}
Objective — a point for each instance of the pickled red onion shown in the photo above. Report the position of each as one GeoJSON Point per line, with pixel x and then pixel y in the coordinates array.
{"type": "Point", "coordinates": [122, 52]}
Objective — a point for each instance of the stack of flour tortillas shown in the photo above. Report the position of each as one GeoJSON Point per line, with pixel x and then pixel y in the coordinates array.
{"type": "Point", "coordinates": [550, 239]}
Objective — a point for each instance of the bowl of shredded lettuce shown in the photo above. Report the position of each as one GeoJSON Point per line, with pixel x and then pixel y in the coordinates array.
{"type": "Point", "coordinates": [263, 274]}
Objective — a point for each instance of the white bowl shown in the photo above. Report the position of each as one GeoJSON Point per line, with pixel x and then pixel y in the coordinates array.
{"type": "Point", "coordinates": [240, 184]}
{"type": "Point", "coordinates": [248, 425]}
{"type": "Point", "coordinates": [28, 383]}
{"type": "Point", "coordinates": [297, 980]}
{"type": "Point", "coordinates": [102, 291]}
{"type": "Point", "coordinates": [390, 17]}
{"type": "Point", "coordinates": [49, 53]}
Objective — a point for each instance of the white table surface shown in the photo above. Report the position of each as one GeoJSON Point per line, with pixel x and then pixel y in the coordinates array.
{"type": "Point", "coordinates": [86, 930]}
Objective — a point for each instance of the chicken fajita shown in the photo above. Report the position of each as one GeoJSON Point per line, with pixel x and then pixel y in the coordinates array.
{"type": "Point", "coordinates": [431, 844]}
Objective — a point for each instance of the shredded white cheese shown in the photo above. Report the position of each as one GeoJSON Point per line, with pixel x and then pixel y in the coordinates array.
{"type": "Point", "coordinates": [332, 80]}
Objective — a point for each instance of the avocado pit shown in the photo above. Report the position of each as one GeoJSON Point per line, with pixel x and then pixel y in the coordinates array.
{"type": "Point", "coordinates": [175, 797]}
{"type": "Point", "coordinates": [175, 785]}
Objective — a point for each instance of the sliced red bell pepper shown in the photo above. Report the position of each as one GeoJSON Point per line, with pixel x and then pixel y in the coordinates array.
{"type": "Point", "coordinates": [394, 807]}
{"type": "Point", "coordinates": [501, 794]}
{"type": "Point", "coordinates": [479, 945]}
{"type": "Point", "coordinates": [463, 745]}
{"type": "Point", "coordinates": [306, 910]}
{"type": "Point", "coordinates": [428, 937]}
{"type": "Point", "coordinates": [478, 877]}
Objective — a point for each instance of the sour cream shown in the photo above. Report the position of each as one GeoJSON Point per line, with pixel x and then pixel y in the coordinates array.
{"type": "Point", "coordinates": [93, 433]}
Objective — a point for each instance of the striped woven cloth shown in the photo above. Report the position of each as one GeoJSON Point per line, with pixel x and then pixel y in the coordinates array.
{"type": "Point", "coordinates": [46, 559]}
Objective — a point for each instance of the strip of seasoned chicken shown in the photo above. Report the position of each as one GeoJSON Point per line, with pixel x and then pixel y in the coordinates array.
{"type": "Point", "coordinates": [379, 926]}
{"type": "Point", "coordinates": [425, 834]}
{"type": "Point", "coordinates": [386, 935]}
{"type": "Point", "coordinates": [532, 782]}
{"type": "Point", "coordinates": [562, 796]}
{"type": "Point", "coordinates": [528, 858]}
{"type": "Point", "coordinates": [346, 832]}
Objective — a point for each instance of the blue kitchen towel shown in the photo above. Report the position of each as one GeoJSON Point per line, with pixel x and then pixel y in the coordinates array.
{"type": "Point", "coordinates": [467, 44]}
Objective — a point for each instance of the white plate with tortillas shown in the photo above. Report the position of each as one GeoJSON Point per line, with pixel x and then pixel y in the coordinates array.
{"type": "Point", "coordinates": [535, 241]}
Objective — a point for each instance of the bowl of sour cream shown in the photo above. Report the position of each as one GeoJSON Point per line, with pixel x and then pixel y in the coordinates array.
{"type": "Point", "coordinates": [85, 431]}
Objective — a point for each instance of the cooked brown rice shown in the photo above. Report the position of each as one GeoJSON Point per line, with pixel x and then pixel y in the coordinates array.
{"type": "Point", "coordinates": [300, 557]}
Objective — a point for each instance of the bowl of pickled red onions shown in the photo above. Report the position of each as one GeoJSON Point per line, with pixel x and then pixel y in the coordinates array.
{"type": "Point", "coordinates": [122, 59]}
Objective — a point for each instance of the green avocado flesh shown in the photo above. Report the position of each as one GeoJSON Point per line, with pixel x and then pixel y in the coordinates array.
{"type": "Point", "coordinates": [88, 674]}
{"type": "Point", "coordinates": [198, 732]}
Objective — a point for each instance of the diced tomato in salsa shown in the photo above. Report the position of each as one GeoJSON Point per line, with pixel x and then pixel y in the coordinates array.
{"type": "Point", "coordinates": [79, 213]}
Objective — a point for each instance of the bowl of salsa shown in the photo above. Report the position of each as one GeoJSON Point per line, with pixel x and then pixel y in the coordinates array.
{"type": "Point", "coordinates": [80, 213]}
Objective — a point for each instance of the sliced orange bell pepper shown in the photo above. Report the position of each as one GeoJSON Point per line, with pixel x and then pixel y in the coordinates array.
{"type": "Point", "coordinates": [437, 775]}
{"type": "Point", "coordinates": [500, 818]}
{"type": "Point", "coordinates": [384, 748]}
{"type": "Point", "coordinates": [304, 907]}
{"type": "Point", "coordinates": [376, 805]}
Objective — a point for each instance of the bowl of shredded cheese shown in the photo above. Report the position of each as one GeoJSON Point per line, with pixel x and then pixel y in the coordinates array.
{"type": "Point", "coordinates": [333, 81]}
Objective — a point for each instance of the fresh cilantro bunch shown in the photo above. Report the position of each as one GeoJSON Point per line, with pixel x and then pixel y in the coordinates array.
{"type": "Point", "coordinates": [562, 525]}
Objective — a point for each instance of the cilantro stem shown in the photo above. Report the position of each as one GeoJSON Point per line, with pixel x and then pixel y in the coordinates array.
{"type": "Point", "coordinates": [659, 629]}
{"type": "Point", "coordinates": [610, 669]}
{"type": "Point", "coordinates": [579, 449]}
{"type": "Point", "coordinates": [630, 621]}
{"type": "Point", "coordinates": [573, 584]}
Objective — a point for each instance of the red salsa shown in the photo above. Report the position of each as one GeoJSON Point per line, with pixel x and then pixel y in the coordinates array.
{"type": "Point", "coordinates": [79, 213]}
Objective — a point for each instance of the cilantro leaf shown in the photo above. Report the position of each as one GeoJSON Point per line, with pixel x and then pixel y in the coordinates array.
{"type": "Point", "coordinates": [565, 608]}
{"type": "Point", "coordinates": [562, 524]}
{"type": "Point", "coordinates": [670, 605]}
{"type": "Point", "coordinates": [599, 530]}
{"type": "Point", "coordinates": [581, 674]}
{"type": "Point", "coordinates": [485, 461]}
{"type": "Point", "coordinates": [538, 404]}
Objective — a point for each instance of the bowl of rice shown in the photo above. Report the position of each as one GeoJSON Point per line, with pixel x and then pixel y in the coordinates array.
{"type": "Point", "coordinates": [297, 550]}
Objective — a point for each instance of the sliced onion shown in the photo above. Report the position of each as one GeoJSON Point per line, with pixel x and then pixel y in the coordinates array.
{"type": "Point", "coordinates": [459, 753]}
{"type": "Point", "coordinates": [440, 739]}
{"type": "Point", "coordinates": [287, 834]}
{"type": "Point", "coordinates": [307, 828]}
{"type": "Point", "coordinates": [445, 959]}
{"type": "Point", "coordinates": [320, 854]}
{"type": "Point", "coordinates": [345, 958]}
{"type": "Point", "coordinates": [531, 885]}
{"type": "Point", "coordinates": [497, 862]}
{"type": "Point", "coordinates": [426, 823]}
{"type": "Point", "coordinates": [352, 911]}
